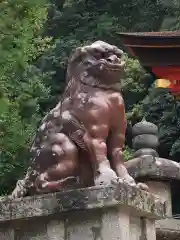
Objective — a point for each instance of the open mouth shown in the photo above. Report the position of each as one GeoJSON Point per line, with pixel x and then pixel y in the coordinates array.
{"type": "Point", "coordinates": [109, 60]}
{"type": "Point", "coordinates": [105, 64]}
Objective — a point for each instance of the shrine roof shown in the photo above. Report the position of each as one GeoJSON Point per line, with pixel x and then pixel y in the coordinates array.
{"type": "Point", "coordinates": [152, 34]}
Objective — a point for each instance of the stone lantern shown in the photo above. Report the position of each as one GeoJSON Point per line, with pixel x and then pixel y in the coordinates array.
{"type": "Point", "coordinates": [145, 139]}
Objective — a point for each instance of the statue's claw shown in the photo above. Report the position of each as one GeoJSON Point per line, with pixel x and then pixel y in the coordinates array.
{"type": "Point", "coordinates": [141, 186]}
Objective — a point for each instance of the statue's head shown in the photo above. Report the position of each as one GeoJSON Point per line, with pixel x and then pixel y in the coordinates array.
{"type": "Point", "coordinates": [99, 60]}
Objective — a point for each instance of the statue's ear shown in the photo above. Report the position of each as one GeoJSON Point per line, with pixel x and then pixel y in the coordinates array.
{"type": "Point", "coordinates": [76, 55]}
{"type": "Point", "coordinates": [74, 59]}
{"type": "Point", "coordinates": [117, 51]}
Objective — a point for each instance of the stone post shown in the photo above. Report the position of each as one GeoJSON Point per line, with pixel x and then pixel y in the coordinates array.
{"type": "Point", "coordinates": [161, 175]}
{"type": "Point", "coordinates": [117, 212]}
{"type": "Point", "coordinates": [163, 178]}
{"type": "Point", "coordinates": [146, 165]}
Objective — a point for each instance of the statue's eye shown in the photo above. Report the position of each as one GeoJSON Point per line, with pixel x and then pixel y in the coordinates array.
{"type": "Point", "coordinates": [87, 63]}
{"type": "Point", "coordinates": [97, 55]}
{"type": "Point", "coordinates": [100, 55]}
{"type": "Point", "coordinates": [103, 55]}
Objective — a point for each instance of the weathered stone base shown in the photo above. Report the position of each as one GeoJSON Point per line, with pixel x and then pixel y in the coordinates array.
{"type": "Point", "coordinates": [168, 229]}
{"type": "Point", "coordinates": [167, 234]}
{"type": "Point", "coordinates": [115, 212]}
{"type": "Point", "coordinates": [94, 225]}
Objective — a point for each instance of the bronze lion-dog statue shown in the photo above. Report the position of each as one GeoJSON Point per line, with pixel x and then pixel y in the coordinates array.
{"type": "Point", "coordinates": [79, 143]}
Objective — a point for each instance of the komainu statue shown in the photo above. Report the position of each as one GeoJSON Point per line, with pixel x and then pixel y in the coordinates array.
{"type": "Point", "coordinates": [79, 143]}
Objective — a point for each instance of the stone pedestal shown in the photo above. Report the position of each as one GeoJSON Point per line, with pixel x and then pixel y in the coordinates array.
{"type": "Point", "coordinates": [161, 175]}
{"type": "Point", "coordinates": [162, 189]}
{"type": "Point", "coordinates": [117, 212]}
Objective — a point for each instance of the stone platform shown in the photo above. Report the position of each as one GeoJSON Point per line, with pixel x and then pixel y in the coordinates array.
{"type": "Point", "coordinates": [117, 212]}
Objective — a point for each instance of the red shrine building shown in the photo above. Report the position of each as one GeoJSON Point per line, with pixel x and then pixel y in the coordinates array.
{"type": "Point", "coordinates": [159, 53]}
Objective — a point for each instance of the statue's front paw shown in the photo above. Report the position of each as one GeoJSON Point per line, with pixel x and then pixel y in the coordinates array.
{"type": "Point", "coordinates": [130, 180]}
{"type": "Point", "coordinates": [126, 179]}
{"type": "Point", "coordinates": [105, 177]}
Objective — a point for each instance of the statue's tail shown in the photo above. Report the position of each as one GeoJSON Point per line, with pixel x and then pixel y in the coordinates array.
{"type": "Point", "coordinates": [22, 186]}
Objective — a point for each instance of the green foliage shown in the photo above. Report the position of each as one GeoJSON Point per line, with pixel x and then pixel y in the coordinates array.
{"type": "Point", "coordinates": [161, 108]}
{"type": "Point", "coordinates": [19, 23]}
{"type": "Point", "coordinates": [172, 20]}
{"type": "Point", "coordinates": [135, 84]}
{"type": "Point", "coordinates": [177, 15]}
{"type": "Point", "coordinates": [22, 84]}
{"type": "Point", "coordinates": [128, 152]}
{"type": "Point", "coordinates": [15, 137]}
